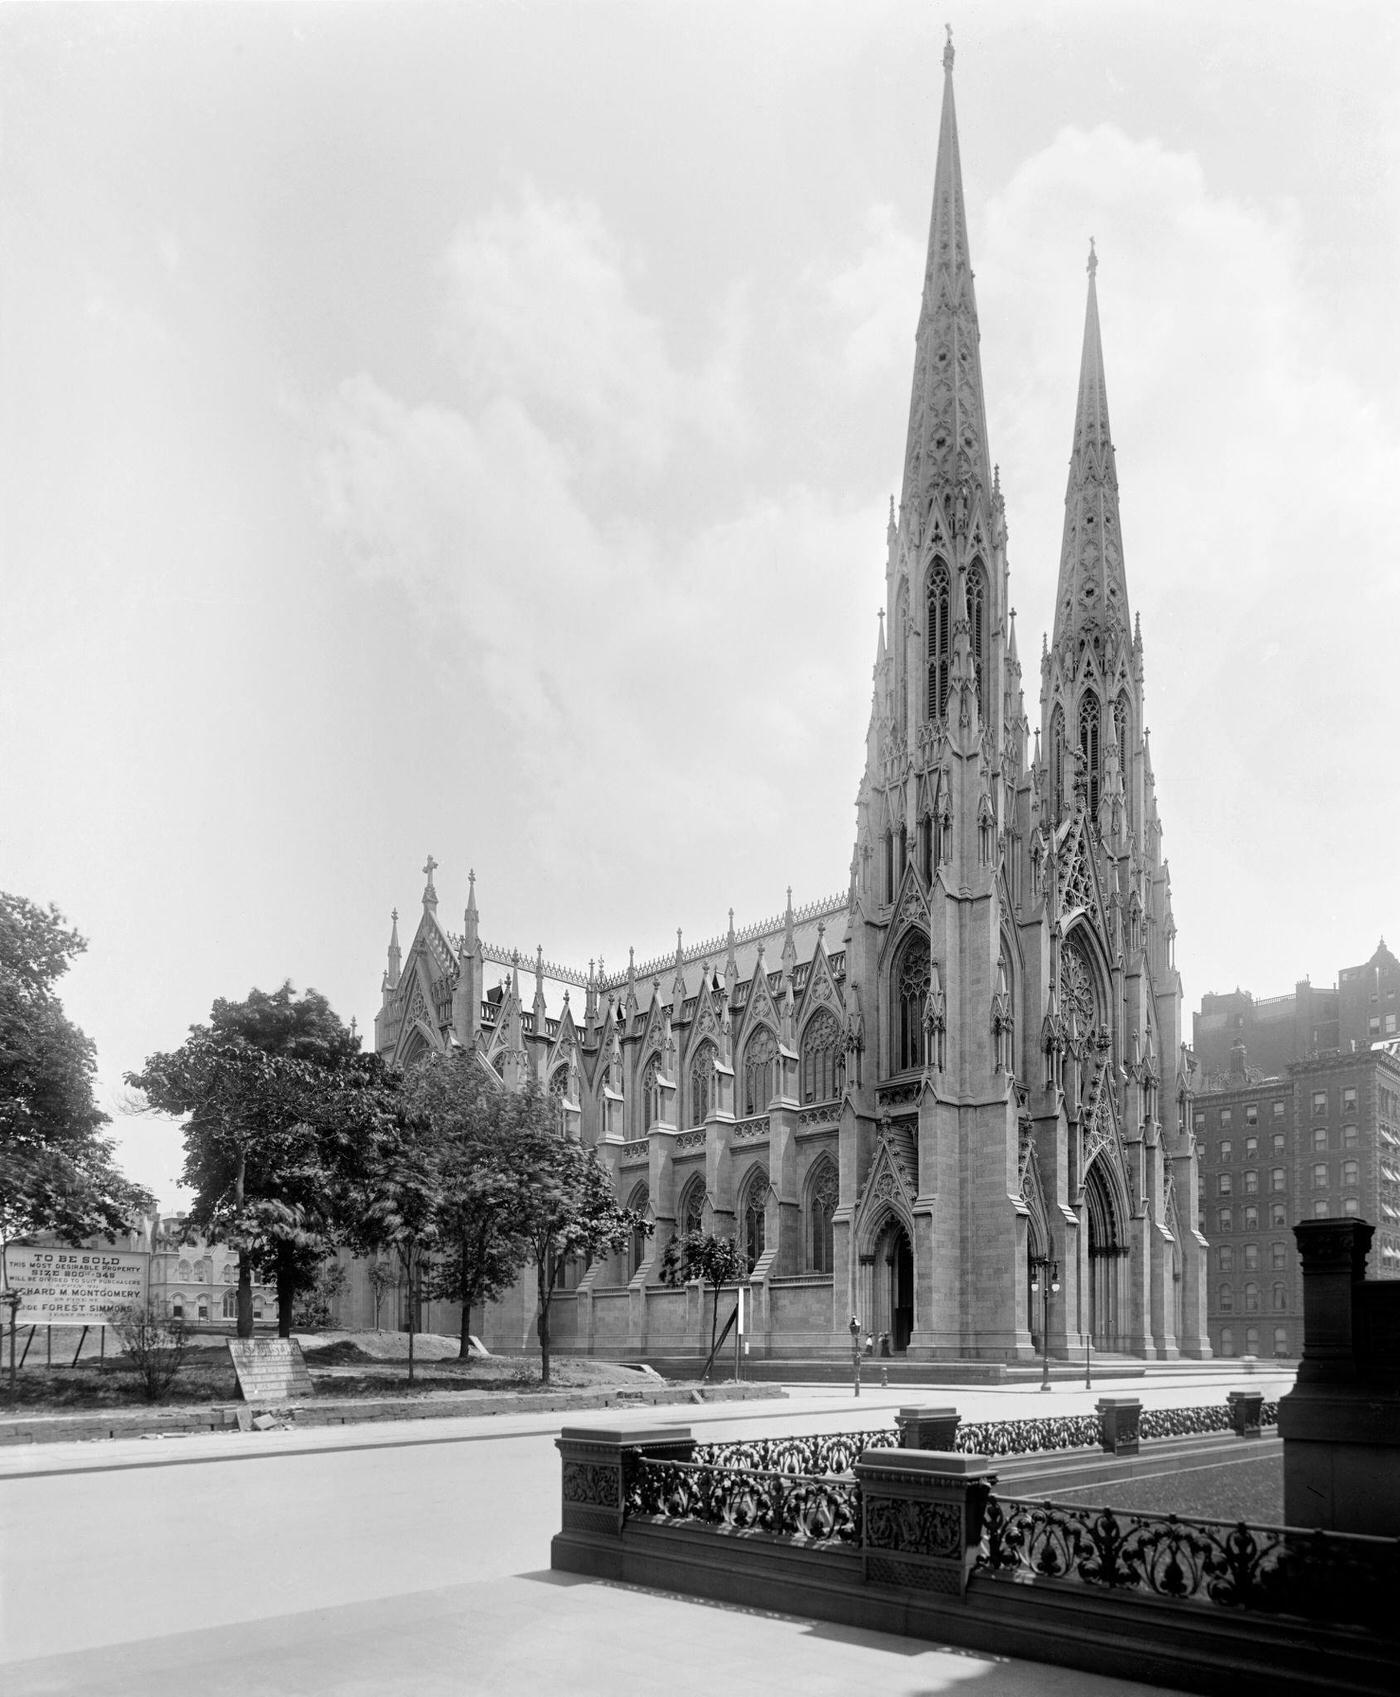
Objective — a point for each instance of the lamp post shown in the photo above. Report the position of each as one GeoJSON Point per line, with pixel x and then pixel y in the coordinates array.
{"type": "Point", "coordinates": [855, 1352]}
{"type": "Point", "coordinates": [1046, 1280]}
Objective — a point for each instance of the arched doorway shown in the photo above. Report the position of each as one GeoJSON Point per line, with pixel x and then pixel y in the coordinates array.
{"type": "Point", "coordinates": [1106, 1253]}
{"type": "Point", "coordinates": [894, 1287]}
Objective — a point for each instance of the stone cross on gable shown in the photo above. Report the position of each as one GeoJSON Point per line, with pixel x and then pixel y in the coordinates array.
{"type": "Point", "coordinates": [430, 866]}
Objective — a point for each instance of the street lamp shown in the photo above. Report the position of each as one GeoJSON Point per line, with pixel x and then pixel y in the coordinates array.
{"type": "Point", "coordinates": [855, 1352]}
{"type": "Point", "coordinates": [1046, 1281]}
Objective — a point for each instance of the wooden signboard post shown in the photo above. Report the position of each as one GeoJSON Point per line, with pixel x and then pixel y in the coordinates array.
{"type": "Point", "coordinates": [270, 1369]}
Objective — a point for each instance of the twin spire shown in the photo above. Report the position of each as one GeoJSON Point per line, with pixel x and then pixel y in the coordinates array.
{"type": "Point", "coordinates": [1093, 586]}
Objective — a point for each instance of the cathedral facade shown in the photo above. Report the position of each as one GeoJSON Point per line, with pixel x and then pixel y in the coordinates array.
{"type": "Point", "coordinates": [922, 1102]}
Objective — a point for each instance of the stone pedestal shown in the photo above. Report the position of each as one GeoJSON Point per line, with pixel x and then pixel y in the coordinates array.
{"type": "Point", "coordinates": [1120, 1416]}
{"type": "Point", "coordinates": [928, 1428]}
{"type": "Point", "coordinates": [1246, 1410]}
{"type": "Point", "coordinates": [922, 1517]}
{"type": "Point", "coordinates": [593, 1473]}
{"type": "Point", "coordinates": [1340, 1424]}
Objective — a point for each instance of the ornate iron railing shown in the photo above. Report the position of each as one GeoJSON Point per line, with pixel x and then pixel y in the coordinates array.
{"type": "Point", "coordinates": [1029, 1437]}
{"type": "Point", "coordinates": [1267, 1568]}
{"type": "Point", "coordinates": [784, 1505]}
{"type": "Point", "coordinates": [821, 1456]}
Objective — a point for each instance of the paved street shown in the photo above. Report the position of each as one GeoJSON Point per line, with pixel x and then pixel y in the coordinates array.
{"type": "Point", "coordinates": [414, 1558]}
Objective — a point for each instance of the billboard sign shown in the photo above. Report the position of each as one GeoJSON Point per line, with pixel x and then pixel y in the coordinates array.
{"type": "Point", "coordinates": [73, 1287]}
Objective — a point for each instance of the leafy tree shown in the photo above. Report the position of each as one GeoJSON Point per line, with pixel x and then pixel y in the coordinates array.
{"type": "Point", "coordinates": [316, 1305]}
{"type": "Point", "coordinates": [266, 1086]}
{"type": "Point", "coordinates": [470, 1125]}
{"type": "Point", "coordinates": [565, 1204]}
{"type": "Point", "coordinates": [719, 1261]}
{"type": "Point", "coordinates": [58, 1172]}
{"type": "Point", "coordinates": [383, 1277]}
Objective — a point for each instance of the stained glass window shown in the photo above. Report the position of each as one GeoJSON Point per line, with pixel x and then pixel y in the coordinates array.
{"type": "Point", "coordinates": [913, 979]}
{"type": "Point", "coordinates": [821, 1052]}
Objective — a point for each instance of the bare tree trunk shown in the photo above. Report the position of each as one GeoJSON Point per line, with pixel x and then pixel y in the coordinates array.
{"type": "Point", "coordinates": [286, 1293]}
{"type": "Point", "coordinates": [464, 1348]}
{"type": "Point", "coordinates": [542, 1320]}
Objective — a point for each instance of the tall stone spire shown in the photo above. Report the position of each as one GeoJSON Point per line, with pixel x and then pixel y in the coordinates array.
{"type": "Point", "coordinates": [946, 456]}
{"type": "Point", "coordinates": [1092, 585]}
{"type": "Point", "coordinates": [395, 954]}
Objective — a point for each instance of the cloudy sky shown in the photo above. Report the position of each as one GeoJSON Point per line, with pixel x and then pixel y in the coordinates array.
{"type": "Point", "coordinates": [469, 430]}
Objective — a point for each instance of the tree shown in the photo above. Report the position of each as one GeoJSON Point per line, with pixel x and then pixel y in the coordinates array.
{"type": "Point", "coordinates": [383, 1277]}
{"type": "Point", "coordinates": [266, 1086]}
{"type": "Point", "coordinates": [719, 1261]}
{"type": "Point", "coordinates": [565, 1204]}
{"type": "Point", "coordinates": [470, 1125]}
{"type": "Point", "coordinates": [152, 1344]}
{"type": "Point", "coordinates": [58, 1172]}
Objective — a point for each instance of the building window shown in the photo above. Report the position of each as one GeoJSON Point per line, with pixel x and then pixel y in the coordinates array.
{"type": "Point", "coordinates": [976, 598]}
{"type": "Point", "coordinates": [1226, 1257]}
{"type": "Point", "coordinates": [1089, 745]}
{"type": "Point", "coordinates": [1320, 1175]}
{"type": "Point", "coordinates": [1349, 1099]}
{"type": "Point", "coordinates": [822, 1196]}
{"type": "Point", "coordinates": [1227, 1340]}
{"type": "Point", "coordinates": [1251, 1258]}
{"type": "Point", "coordinates": [1278, 1179]}
{"type": "Point", "coordinates": [1351, 1173]}
{"type": "Point", "coordinates": [821, 1056]}
{"type": "Point", "coordinates": [1280, 1340]}
{"type": "Point", "coordinates": [1225, 1220]}
{"type": "Point", "coordinates": [939, 634]}
{"type": "Point", "coordinates": [1319, 1103]}
{"type": "Point", "coordinates": [1251, 1113]}
{"type": "Point", "coordinates": [1351, 1205]}
{"type": "Point", "coordinates": [1227, 1299]}
{"type": "Point", "coordinates": [702, 1084]}
{"type": "Point", "coordinates": [1250, 1218]}
{"type": "Point", "coordinates": [1349, 1138]}
{"type": "Point", "coordinates": [1277, 1216]}
{"type": "Point", "coordinates": [1251, 1340]}
{"type": "Point", "coordinates": [638, 1202]}
{"type": "Point", "coordinates": [692, 1209]}
{"type": "Point", "coordinates": [1224, 1184]}
{"type": "Point", "coordinates": [1199, 1122]}
{"type": "Point", "coordinates": [1280, 1300]}
{"type": "Point", "coordinates": [759, 1056]}
{"type": "Point", "coordinates": [1278, 1256]}
{"type": "Point", "coordinates": [1278, 1110]}
{"type": "Point", "coordinates": [203, 1310]}
{"type": "Point", "coordinates": [1251, 1299]}
{"type": "Point", "coordinates": [230, 1305]}
{"type": "Point", "coordinates": [1320, 1138]}
{"type": "Point", "coordinates": [1320, 1210]}
{"type": "Point", "coordinates": [754, 1217]}
{"type": "Point", "coordinates": [1227, 1149]}
{"type": "Point", "coordinates": [1251, 1148]}
{"type": "Point", "coordinates": [1224, 1119]}
{"type": "Point", "coordinates": [913, 980]}
{"type": "Point", "coordinates": [1251, 1181]}
{"type": "Point", "coordinates": [1280, 1143]}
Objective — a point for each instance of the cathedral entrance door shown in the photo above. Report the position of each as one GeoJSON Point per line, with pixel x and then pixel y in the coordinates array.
{"type": "Point", "coordinates": [895, 1260]}
{"type": "Point", "coordinates": [1105, 1261]}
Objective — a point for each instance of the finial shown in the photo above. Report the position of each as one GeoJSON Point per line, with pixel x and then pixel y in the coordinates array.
{"type": "Point", "coordinates": [948, 50]}
{"type": "Point", "coordinates": [430, 866]}
{"type": "Point", "coordinates": [996, 479]}
{"type": "Point", "coordinates": [1093, 264]}
{"type": "Point", "coordinates": [394, 915]}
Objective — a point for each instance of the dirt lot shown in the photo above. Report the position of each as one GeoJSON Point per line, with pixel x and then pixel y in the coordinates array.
{"type": "Point", "coordinates": [342, 1364]}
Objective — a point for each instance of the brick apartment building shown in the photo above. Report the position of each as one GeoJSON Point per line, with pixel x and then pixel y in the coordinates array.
{"type": "Point", "coordinates": [1312, 1134]}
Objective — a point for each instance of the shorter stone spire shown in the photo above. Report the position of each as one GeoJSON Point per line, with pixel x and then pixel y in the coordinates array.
{"type": "Point", "coordinates": [395, 952]}
{"type": "Point", "coordinates": [471, 934]}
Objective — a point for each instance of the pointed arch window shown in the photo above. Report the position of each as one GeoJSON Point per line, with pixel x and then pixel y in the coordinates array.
{"type": "Point", "coordinates": [976, 615]}
{"type": "Point", "coordinates": [1089, 746]}
{"type": "Point", "coordinates": [913, 978]}
{"type": "Point", "coordinates": [759, 1055]}
{"type": "Point", "coordinates": [638, 1202]}
{"type": "Point", "coordinates": [754, 1220]}
{"type": "Point", "coordinates": [823, 1193]}
{"type": "Point", "coordinates": [901, 663]}
{"type": "Point", "coordinates": [702, 1084]}
{"type": "Point", "coordinates": [651, 1093]}
{"type": "Point", "coordinates": [939, 636]}
{"type": "Point", "coordinates": [691, 1214]}
{"type": "Point", "coordinates": [821, 1055]}
{"type": "Point", "coordinates": [1124, 713]}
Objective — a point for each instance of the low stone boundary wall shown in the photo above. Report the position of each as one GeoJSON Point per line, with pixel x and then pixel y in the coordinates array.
{"type": "Point", "coordinates": [917, 1542]}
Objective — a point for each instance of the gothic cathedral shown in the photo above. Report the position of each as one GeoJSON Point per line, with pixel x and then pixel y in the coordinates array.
{"type": "Point", "coordinates": [913, 1101]}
